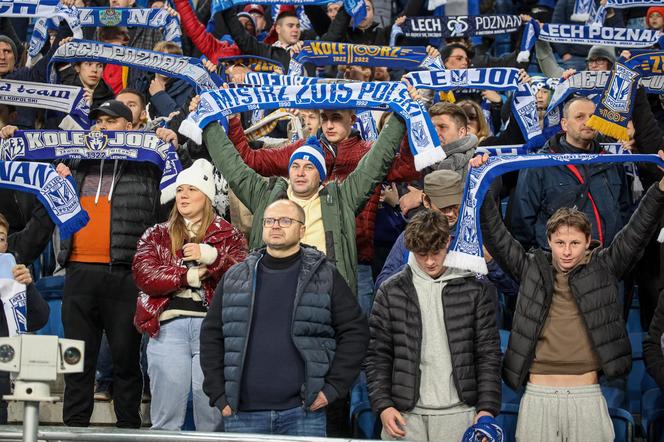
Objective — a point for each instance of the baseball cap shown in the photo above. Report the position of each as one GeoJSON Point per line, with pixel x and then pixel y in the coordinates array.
{"type": "Point", "coordinates": [112, 108]}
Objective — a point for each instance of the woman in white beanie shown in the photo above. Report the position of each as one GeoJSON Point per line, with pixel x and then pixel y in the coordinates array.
{"type": "Point", "coordinates": [177, 267]}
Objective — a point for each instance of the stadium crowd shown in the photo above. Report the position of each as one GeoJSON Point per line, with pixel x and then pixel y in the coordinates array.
{"type": "Point", "coordinates": [297, 266]}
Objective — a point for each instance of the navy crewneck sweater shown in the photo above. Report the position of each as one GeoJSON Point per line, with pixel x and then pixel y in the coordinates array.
{"type": "Point", "coordinates": [273, 368]}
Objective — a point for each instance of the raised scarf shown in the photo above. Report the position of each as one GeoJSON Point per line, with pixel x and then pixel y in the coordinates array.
{"type": "Point", "coordinates": [383, 95]}
{"type": "Point", "coordinates": [325, 53]}
{"type": "Point", "coordinates": [57, 97]}
{"type": "Point", "coordinates": [188, 69]}
{"type": "Point", "coordinates": [458, 26]}
{"type": "Point", "coordinates": [524, 107]}
{"type": "Point", "coordinates": [585, 35]}
{"type": "Point", "coordinates": [101, 17]}
{"type": "Point", "coordinates": [57, 194]}
{"type": "Point", "coordinates": [37, 145]}
{"type": "Point", "coordinates": [465, 251]}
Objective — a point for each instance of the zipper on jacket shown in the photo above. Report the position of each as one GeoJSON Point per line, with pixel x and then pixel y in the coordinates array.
{"type": "Point", "coordinates": [246, 341]}
{"type": "Point", "coordinates": [298, 295]}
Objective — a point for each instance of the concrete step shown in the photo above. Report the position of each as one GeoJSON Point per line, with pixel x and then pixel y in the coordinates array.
{"type": "Point", "coordinates": [51, 413]}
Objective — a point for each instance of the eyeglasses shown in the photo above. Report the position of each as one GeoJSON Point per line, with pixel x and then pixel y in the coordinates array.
{"type": "Point", "coordinates": [284, 221]}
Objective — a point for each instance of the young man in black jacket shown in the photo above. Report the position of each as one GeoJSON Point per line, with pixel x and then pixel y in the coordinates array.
{"type": "Point", "coordinates": [568, 324]}
{"type": "Point", "coordinates": [284, 335]}
{"type": "Point", "coordinates": [433, 365]}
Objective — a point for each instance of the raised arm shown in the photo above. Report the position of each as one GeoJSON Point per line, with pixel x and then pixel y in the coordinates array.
{"type": "Point", "coordinates": [372, 169]}
{"type": "Point", "coordinates": [203, 40]}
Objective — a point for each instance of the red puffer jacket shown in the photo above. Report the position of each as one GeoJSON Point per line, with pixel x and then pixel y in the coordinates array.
{"type": "Point", "coordinates": [159, 274]}
{"type": "Point", "coordinates": [274, 162]}
{"type": "Point", "coordinates": [209, 46]}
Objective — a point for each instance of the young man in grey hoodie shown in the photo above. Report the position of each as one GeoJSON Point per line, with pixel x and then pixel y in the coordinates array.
{"type": "Point", "coordinates": [433, 365]}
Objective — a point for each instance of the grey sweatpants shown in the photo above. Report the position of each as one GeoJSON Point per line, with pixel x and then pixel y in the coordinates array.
{"type": "Point", "coordinates": [435, 427]}
{"type": "Point", "coordinates": [569, 414]}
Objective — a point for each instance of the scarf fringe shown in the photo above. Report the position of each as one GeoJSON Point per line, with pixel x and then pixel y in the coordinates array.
{"type": "Point", "coordinates": [428, 157]}
{"type": "Point", "coordinates": [190, 130]}
{"type": "Point", "coordinates": [582, 17]}
{"type": "Point", "coordinates": [608, 128]}
{"type": "Point", "coordinates": [465, 261]}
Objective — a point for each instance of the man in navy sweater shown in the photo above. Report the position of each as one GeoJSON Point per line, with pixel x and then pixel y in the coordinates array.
{"type": "Point", "coordinates": [284, 335]}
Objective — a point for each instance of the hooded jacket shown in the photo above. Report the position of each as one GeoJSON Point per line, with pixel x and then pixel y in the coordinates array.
{"type": "Point", "coordinates": [393, 361]}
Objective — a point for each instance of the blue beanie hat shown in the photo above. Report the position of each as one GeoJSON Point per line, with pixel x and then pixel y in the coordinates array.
{"type": "Point", "coordinates": [311, 151]}
{"type": "Point", "coordinates": [486, 428]}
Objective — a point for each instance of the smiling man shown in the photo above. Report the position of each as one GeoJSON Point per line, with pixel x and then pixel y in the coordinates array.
{"type": "Point", "coordinates": [599, 191]}
{"type": "Point", "coordinates": [567, 326]}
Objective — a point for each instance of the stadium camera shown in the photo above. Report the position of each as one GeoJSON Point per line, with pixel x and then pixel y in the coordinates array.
{"type": "Point", "coordinates": [37, 360]}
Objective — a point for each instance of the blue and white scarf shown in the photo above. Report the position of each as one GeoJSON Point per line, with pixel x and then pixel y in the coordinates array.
{"type": "Point", "coordinates": [465, 252]}
{"type": "Point", "coordinates": [13, 296]}
{"type": "Point", "coordinates": [100, 17]}
{"type": "Point", "coordinates": [188, 69]}
{"type": "Point", "coordinates": [38, 145]}
{"type": "Point", "coordinates": [57, 97]}
{"type": "Point", "coordinates": [365, 124]}
{"type": "Point", "coordinates": [383, 95]}
{"type": "Point", "coordinates": [40, 34]}
{"type": "Point", "coordinates": [265, 79]}
{"type": "Point", "coordinates": [486, 429]}
{"type": "Point", "coordinates": [524, 107]}
{"type": "Point", "coordinates": [583, 10]}
{"type": "Point", "coordinates": [57, 194]}
{"type": "Point", "coordinates": [355, 8]}
{"type": "Point", "coordinates": [650, 65]}
{"type": "Point", "coordinates": [28, 8]}
{"type": "Point", "coordinates": [458, 26]}
{"type": "Point", "coordinates": [600, 14]}
{"type": "Point", "coordinates": [586, 35]}
{"type": "Point", "coordinates": [325, 53]}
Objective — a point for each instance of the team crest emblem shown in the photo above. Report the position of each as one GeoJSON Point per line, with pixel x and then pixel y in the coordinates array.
{"type": "Point", "coordinates": [457, 26]}
{"type": "Point", "coordinates": [12, 148]}
{"type": "Point", "coordinates": [19, 309]}
{"type": "Point", "coordinates": [620, 88]}
{"type": "Point", "coordinates": [110, 17]}
{"type": "Point", "coordinates": [459, 77]}
{"type": "Point", "coordinates": [96, 141]}
{"type": "Point", "coordinates": [420, 134]}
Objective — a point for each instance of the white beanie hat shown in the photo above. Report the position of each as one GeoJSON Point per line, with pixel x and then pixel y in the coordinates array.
{"type": "Point", "coordinates": [200, 175]}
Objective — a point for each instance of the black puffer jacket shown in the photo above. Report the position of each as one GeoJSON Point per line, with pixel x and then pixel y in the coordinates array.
{"type": "Point", "coordinates": [652, 344]}
{"type": "Point", "coordinates": [593, 285]}
{"type": "Point", "coordinates": [393, 359]}
{"type": "Point", "coordinates": [134, 206]}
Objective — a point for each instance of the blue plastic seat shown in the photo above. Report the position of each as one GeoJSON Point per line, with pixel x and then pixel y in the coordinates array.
{"type": "Point", "coordinates": [51, 288]}
{"type": "Point", "coordinates": [623, 424]}
{"type": "Point", "coordinates": [652, 414]}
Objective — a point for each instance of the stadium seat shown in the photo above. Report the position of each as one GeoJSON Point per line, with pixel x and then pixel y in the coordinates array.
{"type": "Point", "coordinates": [364, 423]}
{"type": "Point", "coordinates": [637, 373]}
{"type": "Point", "coordinates": [623, 424]}
{"type": "Point", "coordinates": [652, 414]}
{"type": "Point", "coordinates": [51, 289]}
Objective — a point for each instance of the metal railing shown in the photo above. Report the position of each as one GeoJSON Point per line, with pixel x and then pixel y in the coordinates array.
{"type": "Point", "coordinates": [102, 434]}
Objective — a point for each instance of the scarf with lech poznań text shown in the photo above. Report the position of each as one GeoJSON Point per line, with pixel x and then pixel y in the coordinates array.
{"type": "Point", "coordinates": [57, 194]}
{"type": "Point", "coordinates": [456, 26]}
{"type": "Point", "coordinates": [524, 107]}
{"type": "Point", "coordinates": [99, 17]}
{"type": "Point", "coordinates": [39, 145]}
{"type": "Point", "coordinates": [465, 251]}
{"type": "Point", "coordinates": [67, 99]}
{"type": "Point", "coordinates": [586, 35]}
{"type": "Point", "coordinates": [188, 69]}
{"type": "Point", "coordinates": [325, 53]}
{"type": "Point", "coordinates": [383, 95]}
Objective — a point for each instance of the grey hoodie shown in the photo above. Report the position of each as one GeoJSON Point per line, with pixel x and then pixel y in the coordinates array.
{"type": "Point", "coordinates": [438, 394]}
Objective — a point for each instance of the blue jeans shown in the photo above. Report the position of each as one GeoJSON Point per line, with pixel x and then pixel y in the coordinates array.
{"type": "Point", "coordinates": [174, 368]}
{"type": "Point", "coordinates": [365, 288]}
{"type": "Point", "coordinates": [292, 422]}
